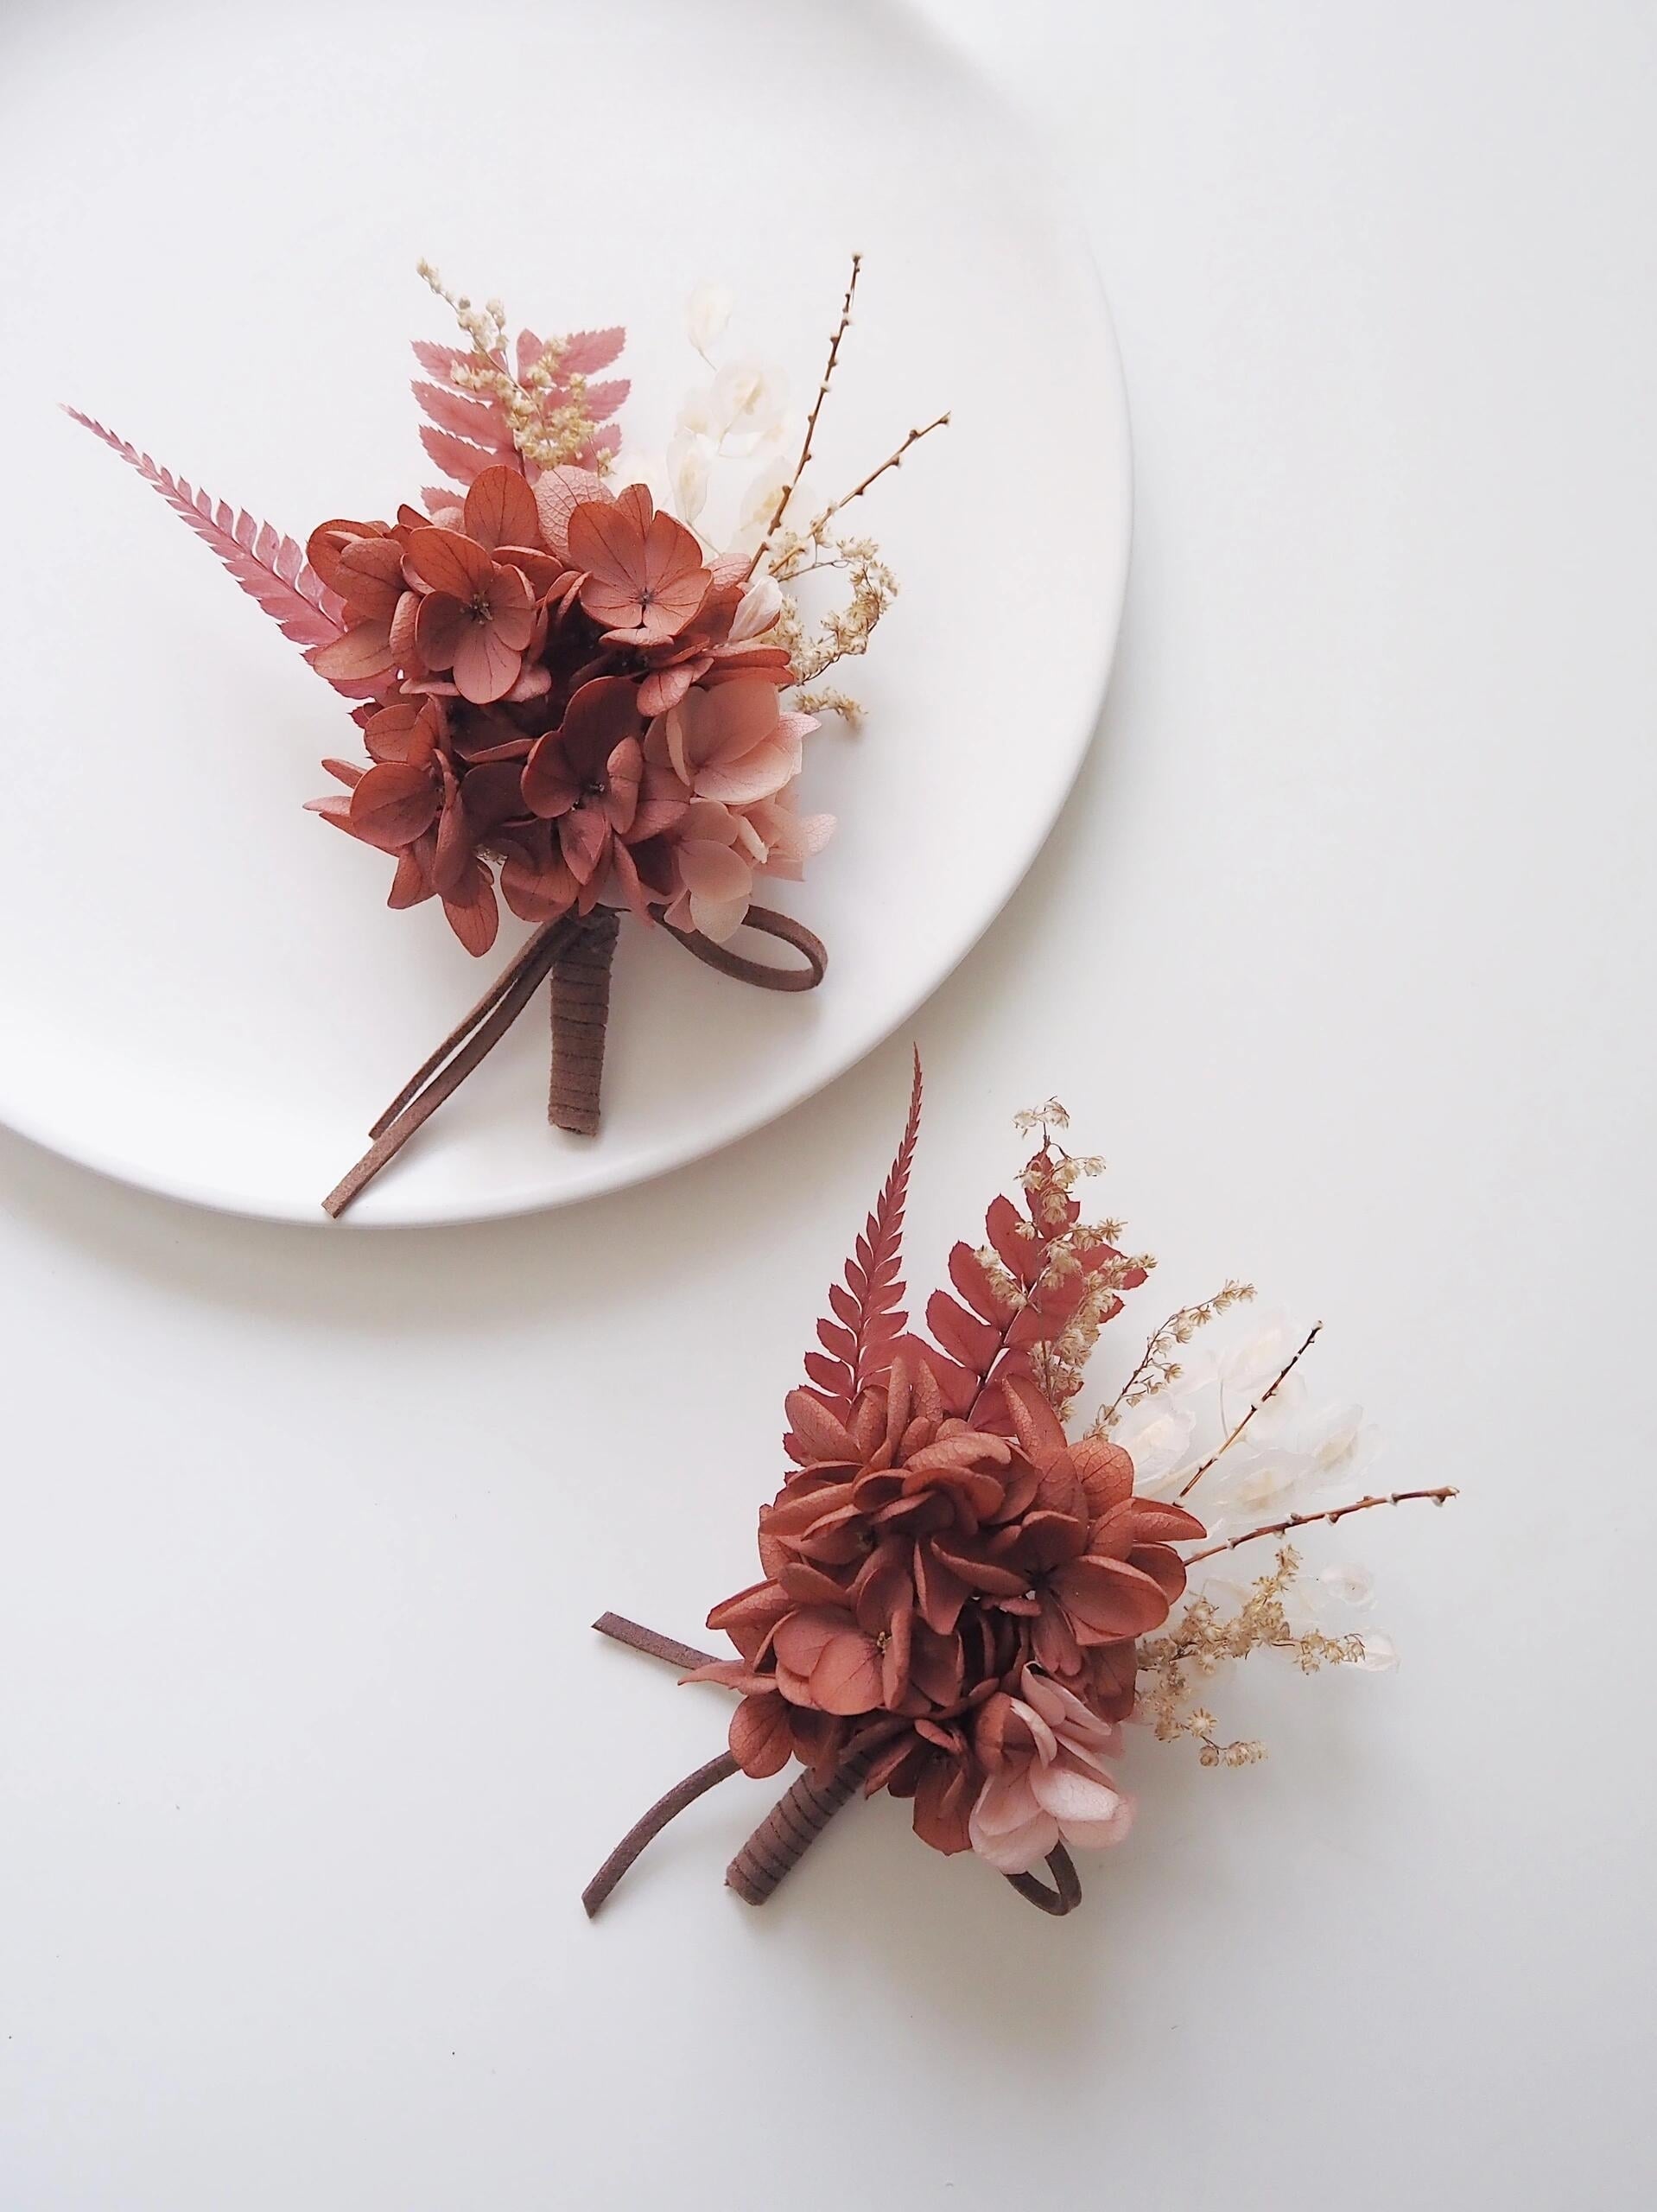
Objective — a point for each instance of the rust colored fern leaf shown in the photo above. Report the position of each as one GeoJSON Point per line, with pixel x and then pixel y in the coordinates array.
{"type": "Point", "coordinates": [869, 1321]}
{"type": "Point", "coordinates": [270, 568]}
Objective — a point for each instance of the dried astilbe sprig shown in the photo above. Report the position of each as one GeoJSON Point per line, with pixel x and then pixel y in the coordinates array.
{"type": "Point", "coordinates": [570, 700]}
{"type": "Point", "coordinates": [1203, 1641]}
{"type": "Point", "coordinates": [960, 1603]}
{"type": "Point", "coordinates": [1159, 1366]}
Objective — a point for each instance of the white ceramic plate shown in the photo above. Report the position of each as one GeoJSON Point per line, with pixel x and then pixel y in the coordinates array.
{"type": "Point", "coordinates": [209, 219]}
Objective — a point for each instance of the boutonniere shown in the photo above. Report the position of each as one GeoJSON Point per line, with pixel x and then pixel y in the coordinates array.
{"type": "Point", "coordinates": [582, 683]}
{"type": "Point", "coordinates": [966, 1597]}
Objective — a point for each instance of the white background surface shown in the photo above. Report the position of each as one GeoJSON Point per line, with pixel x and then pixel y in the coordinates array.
{"type": "Point", "coordinates": [1340, 955]}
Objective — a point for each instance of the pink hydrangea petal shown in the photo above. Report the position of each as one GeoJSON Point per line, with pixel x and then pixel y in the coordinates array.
{"type": "Point", "coordinates": [1008, 1828]}
{"type": "Point", "coordinates": [1072, 1796]}
{"type": "Point", "coordinates": [718, 920]}
{"type": "Point", "coordinates": [714, 872]}
{"type": "Point", "coordinates": [757, 774]}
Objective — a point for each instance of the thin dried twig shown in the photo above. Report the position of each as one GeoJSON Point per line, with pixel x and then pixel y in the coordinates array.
{"type": "Point", "coordinates": [892, 461]}
{"type": "Point", "coordinates": [1265, 1398]}
{"type": "Point", "coordinates": [800, 466]}
{"type": "Point", "coordinates": [1440, 1497]}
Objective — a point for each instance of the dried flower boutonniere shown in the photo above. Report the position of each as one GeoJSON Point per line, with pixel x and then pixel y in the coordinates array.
{"type": "Point", "coordinates": [578, 684]}
{"type": "Point", "coordinates": [962, 1602]}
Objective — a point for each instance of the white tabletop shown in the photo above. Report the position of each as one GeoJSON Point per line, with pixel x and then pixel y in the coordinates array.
{"type": "Point", "coordinates": [305, 1747]}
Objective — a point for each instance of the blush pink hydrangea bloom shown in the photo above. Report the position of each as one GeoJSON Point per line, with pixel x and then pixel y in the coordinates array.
{"type": "Point", "coordinates": [1048, 1783]}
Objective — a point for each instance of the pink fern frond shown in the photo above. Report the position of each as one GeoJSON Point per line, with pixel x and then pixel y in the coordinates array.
{"type": "Point", "coordinates": [462, 413]}
{"type": "Point", "coordinates": [441, 361]}
{"type": "Point", "coordinates": [601, 400]}
{"type": "Point", "coordinates": [868, 1321]}
{"type": "Point", "coordinates": [456, 457]}
{"type": "Point", "coordinates": [586, 352]}
{"type": "Point", "coordinates": [270, 568]}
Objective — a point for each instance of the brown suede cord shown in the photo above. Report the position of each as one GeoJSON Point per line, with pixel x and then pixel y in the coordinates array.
{"type": "Point", "coordinates": [580, 1013]}
{"type": "Point", "coordinates": [647, 1640]}
{"type": "Point", "coordinates": [576, 950]}
{"type": "Point", "coordinates": [1066, 1893]}
{"type": "Point", "coordinates": [664, 1809]}
{"type": "Point", "coordinates": [795, 1822]}
{"type": "Point", "coordinates": [785, 929]}
{"type": "Point", "coordinates": [440, 1076]}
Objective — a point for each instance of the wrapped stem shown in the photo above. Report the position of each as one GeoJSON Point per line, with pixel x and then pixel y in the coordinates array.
{"type": "Point", "coordinates": [791, 1826]}
{"type": "Point", "coordinates": [581, 1015]}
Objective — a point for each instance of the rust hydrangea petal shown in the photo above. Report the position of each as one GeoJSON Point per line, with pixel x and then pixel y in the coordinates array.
{"type": "Point", "coordinates": [393, 804]}
{"type": "Point", "coordinates": [475, 917]}
{"type": "Point", "coordinates": [1034, 1422]}
{"type": "Point", "coordinates": [500, 509]}
{"type": "Point", "coordinates": [943, 1804]}
{"type": "Point", "coordinates": [549, 786]}
{"type": "Point", "coordinates": [761, 1742]}
{"type": "Point", "coordinates": [1108, 1598]}
{"type": "Point", "coordinates": [846, 1677]}
{"type": "Point", "coordinates": [1158, 1524]}
{"type": "Point", "coordinates": [440, 622]}
{"type": "Point", "coordinates": [584, 839]}
{"type": "Point", "coordinates": [1105, 1469]}
{"type": "Point", "coordinates": [511, 607]}
{"type": "Point", "coordinates": [444, 559]}
{"type": "Point", "coordinates": [486, 666]}
{"type": "Point", "coordinates": [826, 1438]}
{"type": "Point", "coordinates": [362, 652]}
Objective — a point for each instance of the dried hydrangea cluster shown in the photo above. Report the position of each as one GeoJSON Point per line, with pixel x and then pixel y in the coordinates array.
{"type": "Point", "coordinates": [943, 1557]}
{"type": "Point", "coordinates": [571, 698]}
{"type": "Point", "coordinates": [960, 1602]}
{"type": "Point", "coordinates": [566, 690]}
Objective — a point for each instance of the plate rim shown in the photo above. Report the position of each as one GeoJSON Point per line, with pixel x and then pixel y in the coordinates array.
{"type": "Point", "coordinates": [460, 1210]}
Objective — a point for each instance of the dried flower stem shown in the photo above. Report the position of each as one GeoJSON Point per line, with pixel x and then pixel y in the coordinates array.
{"type": "Point", "coordinates": [892, 461]}
{"type": "Point", "coordinates": [1265, 1398]}
{"type": "Point", "coordinates": [800, 466]}
{"type": "Point", "coordinates": [1439, 1497]}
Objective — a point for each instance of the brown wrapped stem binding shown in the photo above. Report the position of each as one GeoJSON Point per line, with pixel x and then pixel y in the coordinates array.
{"type": "Point", "coordinates": [580, 1013]}
{"type": "Point", "coordinates": [793, 1824]}
{"type": "Point", "coordinates": [576, 952]}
